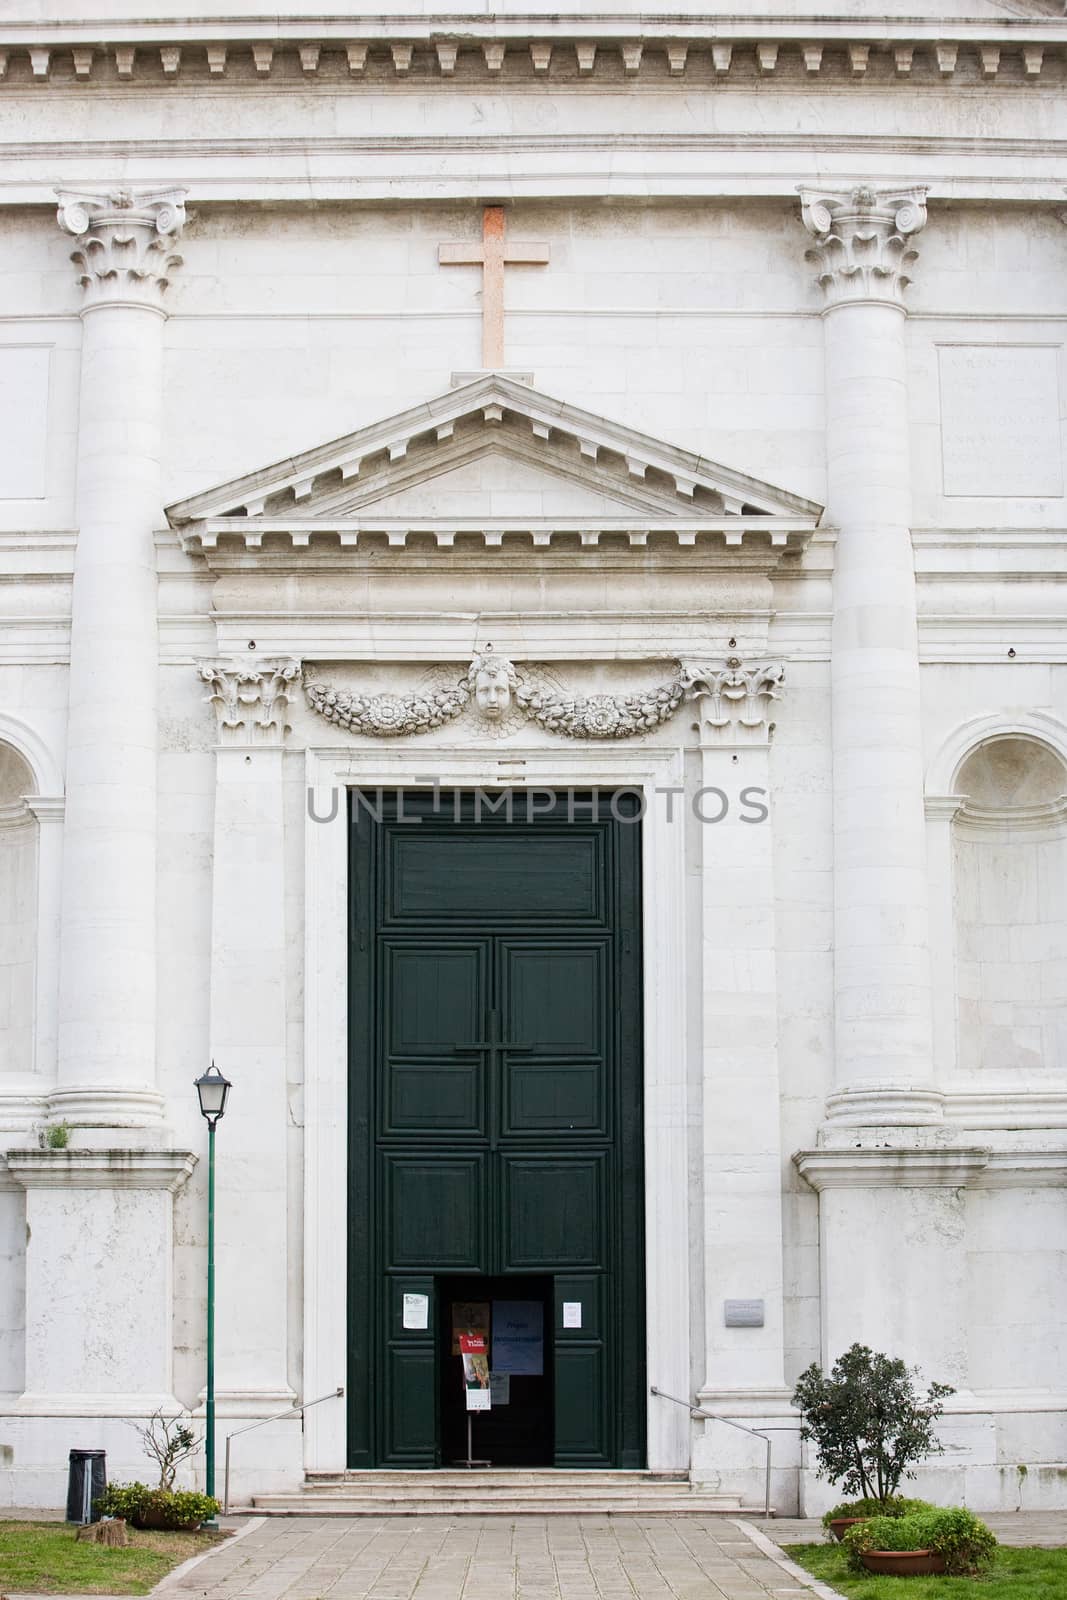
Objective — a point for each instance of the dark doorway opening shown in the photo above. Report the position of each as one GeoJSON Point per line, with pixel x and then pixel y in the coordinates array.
{"type": "Point", "coordinates": [515, 1315]}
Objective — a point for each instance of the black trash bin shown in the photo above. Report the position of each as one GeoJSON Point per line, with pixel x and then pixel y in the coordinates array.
{"type": "Point", "coordinates": [86, 1482]}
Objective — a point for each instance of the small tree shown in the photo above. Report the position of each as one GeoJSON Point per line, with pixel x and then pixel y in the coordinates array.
{"type": "Point", "coordinates": [869, 1422]}
{"type": "Point", "coordinates": [168, 1441]}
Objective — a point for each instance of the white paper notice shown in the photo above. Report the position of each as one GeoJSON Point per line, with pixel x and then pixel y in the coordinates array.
{"type": "Point", "coordinates": [416, 1311]}
{"type": "Point", "coordinates": [500, 1388]}
{"type": "Point", "coordinates": [572, 1313]}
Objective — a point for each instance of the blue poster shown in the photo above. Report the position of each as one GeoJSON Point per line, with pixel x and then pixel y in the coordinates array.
{"type": "Point", "coordinates": [519, 1337]}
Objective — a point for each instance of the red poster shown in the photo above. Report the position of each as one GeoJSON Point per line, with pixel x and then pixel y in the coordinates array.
{"type": "Point", "coordinates": [474, 1350]}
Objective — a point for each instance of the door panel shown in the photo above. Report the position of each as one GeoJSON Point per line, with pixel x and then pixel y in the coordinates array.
{"type": "Point", "coordinates": [554, 1211]}
{"type": "Point", "coordinates": [495, 1110]}
{"type": "Point", "coordinates": [555, 1001]}
{"type": "Point", "coordinates": [481, 876]}
{"type": "Point", "coordinates": [584, 1372]}
{"type": "Point", "coordinates": [410, 1406]}
{"type": "Point", "coordinates": [436, 995]}
{"type": "Point", "coordinates": [434, 1207]}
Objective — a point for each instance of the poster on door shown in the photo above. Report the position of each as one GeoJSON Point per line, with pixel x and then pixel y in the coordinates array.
{"type": "Point", "coordinates": [473, 1349]}
{"type": "Point", "coordinates": [519, 1337]}
{"type": "Point", "coordinates": [469, 1316]}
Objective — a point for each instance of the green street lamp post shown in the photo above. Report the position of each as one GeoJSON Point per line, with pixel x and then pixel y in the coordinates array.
{"type": "Point", "coordinates": [212, 1089]}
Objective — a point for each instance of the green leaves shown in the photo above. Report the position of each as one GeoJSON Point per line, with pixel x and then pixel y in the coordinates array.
{"type": "Point", "coordinates": [156, 1508]}
{"type": "Point", "coordinates": [868, 1421]}
{"type": "Point", "coordinates": [966, 1544]}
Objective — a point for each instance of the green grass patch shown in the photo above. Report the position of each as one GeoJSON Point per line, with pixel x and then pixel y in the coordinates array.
{"type": "Point", "coordinates": [1015, 1575]}
{"type": "Point", "coordinates": [45, 1558]}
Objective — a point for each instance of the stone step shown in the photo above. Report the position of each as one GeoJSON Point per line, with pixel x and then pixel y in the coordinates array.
{"type": "Point", "coordinates": [481, 1484]}
{"type": "Point", "coordinates": [442, 1505]}
{"type": "Point", "coordinates": [497, 1491]}
{"type": "Point", "coordinates": [503, 1475]}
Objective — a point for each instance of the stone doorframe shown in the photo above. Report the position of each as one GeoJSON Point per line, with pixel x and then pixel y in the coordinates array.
{"type": "Point", "coordinates": [666, 1114]}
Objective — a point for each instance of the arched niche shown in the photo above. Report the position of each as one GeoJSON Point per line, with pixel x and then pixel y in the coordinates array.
{"type": "Point", "coordinates": [1009, 908]}
{"type": "Point", "coordinates": [19, 848]}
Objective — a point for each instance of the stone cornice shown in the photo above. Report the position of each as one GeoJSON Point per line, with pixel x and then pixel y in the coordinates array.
{"type": "Point", "coordinates": [124, 236]}
{"type": "Point", "coordinates": [861, 249]}
{"type": "Point", "coordinates": [100, 1169]}
{"type": "Point", "coordinates": [949, 1168]}
{"type": "Point", "coordinates": [579, 45]}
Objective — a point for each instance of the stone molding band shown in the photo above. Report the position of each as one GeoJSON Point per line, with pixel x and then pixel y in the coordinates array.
{"type": "Point", "coordinates": [956, 1167]}
{"type": "Point", "coordinates": [100, 1169]}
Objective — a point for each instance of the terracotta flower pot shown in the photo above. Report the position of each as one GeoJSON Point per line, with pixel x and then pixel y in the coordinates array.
{"type": "Point", "coordinates": [163, 1522]}
{"type": "Point", "coordinates": [839, 1526]}
{"type": "Point", "coordinates": [903, 1563]}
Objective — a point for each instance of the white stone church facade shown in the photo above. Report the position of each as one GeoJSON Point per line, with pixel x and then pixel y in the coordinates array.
{"type": "Point", "coordinates": [746, 499]}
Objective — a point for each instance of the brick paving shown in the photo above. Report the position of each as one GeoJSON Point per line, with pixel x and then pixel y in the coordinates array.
{"type": "Point", "coordinates": [490, 1558]}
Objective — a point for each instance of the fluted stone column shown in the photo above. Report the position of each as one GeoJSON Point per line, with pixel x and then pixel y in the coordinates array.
{"type": "Point", "coordinates": [883, 1050]}
{"type": "Point", "coordinates": [107, 1006]}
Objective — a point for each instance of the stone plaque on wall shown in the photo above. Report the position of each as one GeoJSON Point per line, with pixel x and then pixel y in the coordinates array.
{"type": "Point", "coordinates": [1000, 420]}
{"type": "Point", "coordinates": [23, 420]}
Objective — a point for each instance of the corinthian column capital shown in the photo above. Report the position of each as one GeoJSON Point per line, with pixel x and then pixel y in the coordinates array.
{"type": "Point", "coordinates": [125, 239]}
{"type": "Point", "coordinates": [251, 698]}
{"type": "Point", "coordinates": [862, 249]}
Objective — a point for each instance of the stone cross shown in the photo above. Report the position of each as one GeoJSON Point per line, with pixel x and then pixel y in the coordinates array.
{"type": "Point", "coordinates": [492, 255]}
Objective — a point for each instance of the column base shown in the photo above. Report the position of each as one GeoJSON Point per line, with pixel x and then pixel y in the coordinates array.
{"type": "Point", "coordinates": [106, 1106]}
{"type": "Point", "coordinates": [880, 1105]}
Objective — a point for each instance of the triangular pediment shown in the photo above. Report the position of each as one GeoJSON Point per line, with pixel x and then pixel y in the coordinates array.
{"type": "Point", "coordinates": [492, 458]}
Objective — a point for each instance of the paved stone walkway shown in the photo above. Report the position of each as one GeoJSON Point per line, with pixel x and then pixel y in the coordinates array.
{"type": "Point", "coordinates": [490, 1558]}
{"type": "Point", "coordinates": [1046, 1530]}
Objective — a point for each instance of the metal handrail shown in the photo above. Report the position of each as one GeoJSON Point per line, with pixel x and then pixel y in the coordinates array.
{"type": "Point", "coordinates": [699, 1411]}
{"type": "Point", "coordinates": [305, 1405]}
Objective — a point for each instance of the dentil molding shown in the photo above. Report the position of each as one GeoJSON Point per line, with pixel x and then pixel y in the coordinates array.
{"type": "Point", "coordinates": [251, 698]}
{"type": "Point", "coordinates": [442, 46]}
{"type": "Point", "coordinates": [125, 239]}
{"type": "Point", "coordinates": [495, 689]}
{"type": "Point", "coordinates": [862, 250]}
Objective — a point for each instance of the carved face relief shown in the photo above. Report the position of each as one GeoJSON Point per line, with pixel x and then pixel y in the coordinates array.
{"type": "Point", "coordinates": [492, 690]}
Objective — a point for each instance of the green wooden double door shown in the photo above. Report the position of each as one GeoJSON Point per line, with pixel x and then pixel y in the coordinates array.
{"type": "Point", "coordinates": [495, 1110]}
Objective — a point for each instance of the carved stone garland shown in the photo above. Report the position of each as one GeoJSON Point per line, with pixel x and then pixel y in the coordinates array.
{"type": "Point", "coordinates": [601, 716]}
{"type": "Point", "coordinates": [495, 685]}
{"type": "Point", "coordinates": [387, 716]}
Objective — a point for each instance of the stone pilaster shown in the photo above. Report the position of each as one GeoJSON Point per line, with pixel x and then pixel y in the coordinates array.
{"type": "Point", "coordinates": [107, 1007]}
{"type": "Point", "coordinates": [734, 700]}
{"type": "Point", "coordinates": [883, 1049]}
{"type": "Point", "coordinates": [248, 1029]}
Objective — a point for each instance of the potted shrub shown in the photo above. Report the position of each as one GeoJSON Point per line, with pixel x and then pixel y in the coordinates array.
{"type": "Point", "coordinates": [180, 1510]}
{"type": "Point", "coordinates": [952, 1541]}
{"type": "Point", "coordinates": [168, 1441]}
{"type": "Point", "coordinates": [870, 1423]}
{"type": "Point", "coordinates": [849, 1512]}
